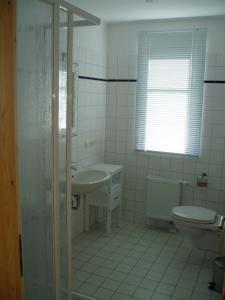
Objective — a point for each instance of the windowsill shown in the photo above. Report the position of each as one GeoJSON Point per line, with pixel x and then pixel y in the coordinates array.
{"type": "Point", "coordinates": [166, 154]}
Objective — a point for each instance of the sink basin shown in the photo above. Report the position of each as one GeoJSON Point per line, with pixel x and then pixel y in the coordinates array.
{"type": "Point", "coordinates": [88, 181]}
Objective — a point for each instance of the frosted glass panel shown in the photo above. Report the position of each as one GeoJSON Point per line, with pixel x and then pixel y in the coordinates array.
{"type": "Point", "coordinates": [34, 79]}
{"type": "Point", "coordinates": [63, 19]}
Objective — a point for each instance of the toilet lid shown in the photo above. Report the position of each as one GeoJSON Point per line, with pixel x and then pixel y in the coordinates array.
{"type": "Point", "coordinates": [195, 214]}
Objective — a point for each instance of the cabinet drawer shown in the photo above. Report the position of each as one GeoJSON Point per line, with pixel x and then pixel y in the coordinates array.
{"type": "Point", "coordinates": [116, 197]}
{"type": "Point", "coordinates": [115, 189]}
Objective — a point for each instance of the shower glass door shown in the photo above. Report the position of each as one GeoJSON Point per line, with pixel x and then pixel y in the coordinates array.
{"type": "Point", "coordinates": [34, 97]}
{"type": "Point", "coordinates": [62, 123]}
{"type": "Point", "coordinates": [64, 129]}
{"type": "Point", "coordinates": [44, 93]}
{"type": "Point", "coordinates": [43, 89]}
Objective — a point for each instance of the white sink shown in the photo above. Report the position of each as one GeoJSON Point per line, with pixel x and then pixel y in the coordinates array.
{"type": "Point", "coordinates": [88, 181]}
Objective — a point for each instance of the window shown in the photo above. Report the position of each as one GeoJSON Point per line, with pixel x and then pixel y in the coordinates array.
{"type": "Point", "coordinates": [170, 91]}
{"type": "Point", "coordinates": [62, 99]}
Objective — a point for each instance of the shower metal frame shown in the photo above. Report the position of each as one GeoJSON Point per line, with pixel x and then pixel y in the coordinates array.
{"type": "Point", "coordinates": [89, 20]}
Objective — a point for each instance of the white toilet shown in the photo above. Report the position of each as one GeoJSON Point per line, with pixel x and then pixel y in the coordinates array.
{"type": "Point", "coordinates": [204, 226]}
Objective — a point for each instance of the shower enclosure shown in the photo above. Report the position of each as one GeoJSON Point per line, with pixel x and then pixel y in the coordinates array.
{"type": "Point", "coordinates": [45, 107]}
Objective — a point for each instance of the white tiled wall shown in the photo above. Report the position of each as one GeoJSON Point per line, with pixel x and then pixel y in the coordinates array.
{"type": "Point", "coordinates": [120, 135]}
{"type": "Point", "coordinates": [215, 66]}
{"type": "Point", "coordinates": [88, 146]}
{"type": "Point", "coordinates": [90, 140]}
{"type": "Point", "coordinates": [111, 122]}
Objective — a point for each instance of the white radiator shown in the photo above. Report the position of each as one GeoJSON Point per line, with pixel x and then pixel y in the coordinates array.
{"type": "Point", "coordinates": [162, 195]}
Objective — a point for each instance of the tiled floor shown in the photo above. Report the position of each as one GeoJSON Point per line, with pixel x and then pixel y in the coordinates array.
{"type": "Point", "coordinates": [137, 262]}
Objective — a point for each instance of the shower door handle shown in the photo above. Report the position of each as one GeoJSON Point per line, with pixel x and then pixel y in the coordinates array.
{"type": "Point", "coordinates": [21, 255]}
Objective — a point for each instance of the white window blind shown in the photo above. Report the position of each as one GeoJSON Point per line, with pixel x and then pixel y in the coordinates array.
{"type": "Point", "coordinates": [170, 91]}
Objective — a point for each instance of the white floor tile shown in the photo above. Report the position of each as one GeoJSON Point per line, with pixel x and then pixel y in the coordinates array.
{"type": "Point", "coordinates": [149, 284]}
{"type": "Point", "coordinates": [81, 275]}
{"type": "Point", "coordinates": [90, 268]}
{"type": "Point", "coordinates": [111, 284]}
{"type": "Point", "coordinates": [76, 284]}
{"type": "Point", "coordinates": [170, 279]}
{"type": "Point", "coordinates": [200, 296]}
{"type": "Point", "coordinates": [103, 294]}
{"type": "Point", "coordinates": [182, 293]}
{"type": "Point", "coordinates": [119, 296]}
{"type": "Point", "coordinates": [132, 279]}
{"type": "Point", "coordinates": [138, 272]}
{"type": "Point", "coordinates": [165, 288]}
{"type": "Point", "coordinates": [102, 271]}
{"type": "Point", "coordinates": [119, 276]}
{"type": "Point", "coordinates": [96, 260]}
{"type": "Point", "coordinates": [96, 280]}
{"type": "Point", "coordinates": [142, 293]}
{"type": "Point", "coordinates": [159, 296]}
{"type": "Point", "coordinates": [124, 268]}
{"type": "Point", "coordinates": [87, 289]}
{"type": "Point", "coordinates": [138, 262]}
{"type": "Point", "coordinates": [110, 264]}
{"type": "Point", "coordinates": [126, 289]}
{"type": "Point", "coordinates": [152, 274]}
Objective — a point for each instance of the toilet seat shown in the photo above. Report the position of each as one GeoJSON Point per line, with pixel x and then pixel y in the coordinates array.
{"type": "Point", "coordinates": [194, 214]}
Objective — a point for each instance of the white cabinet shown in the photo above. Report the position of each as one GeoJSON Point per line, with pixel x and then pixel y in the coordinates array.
{"type": "Point", "coordinates": [108, 196]}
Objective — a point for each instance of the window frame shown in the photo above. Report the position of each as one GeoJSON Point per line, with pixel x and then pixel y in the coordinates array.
{"type": "Point", "coordinates": [188, 92]}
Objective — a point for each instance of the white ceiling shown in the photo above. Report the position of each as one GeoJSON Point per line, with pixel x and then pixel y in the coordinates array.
{"type": "Point", "coordinates": [128, 10]}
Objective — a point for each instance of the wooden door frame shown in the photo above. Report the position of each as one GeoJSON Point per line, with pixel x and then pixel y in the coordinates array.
{"type": "Point", "coordinates": [10, 258]}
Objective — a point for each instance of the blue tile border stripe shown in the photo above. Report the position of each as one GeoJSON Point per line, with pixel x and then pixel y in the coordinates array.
{"type": "Point", "coordinates": [134, 80]}
{"type": "Point", "coordinates": [92, 78]}
{"type": "Point", "coordinates": [214, 81]}
{"type": "Point", "coordinates": [107, 80]}
{"type": "Point", "coordinates": [121, 80]}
